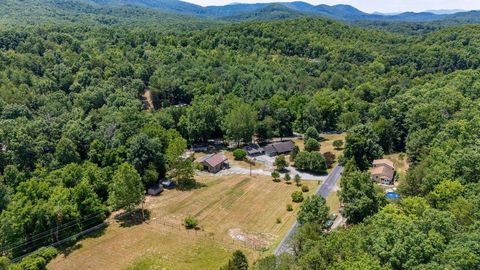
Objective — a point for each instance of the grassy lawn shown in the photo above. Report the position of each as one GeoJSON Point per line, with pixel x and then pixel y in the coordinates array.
{"type": "Point", "coordinates": [233, 206]}
{"type": "Point", "coordinates": [333, 201]}
{"type": "Point", "coordinates": [326, 144]}
{"type": "Point", "coordinates": [400, 161]}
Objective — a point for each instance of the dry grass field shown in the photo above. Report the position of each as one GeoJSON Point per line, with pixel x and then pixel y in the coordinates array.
{"type": "Point", "coordinates": [234, 206]}
{"type": "Point", "coordinates": [326, 145]}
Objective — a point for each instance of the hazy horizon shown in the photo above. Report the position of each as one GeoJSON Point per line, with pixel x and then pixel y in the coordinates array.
{"type": "Point", "coordinates": [368, 5]}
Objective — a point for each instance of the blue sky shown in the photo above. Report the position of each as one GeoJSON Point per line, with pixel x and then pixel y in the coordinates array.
{"type": "Point", "coordinates": [371, 5]}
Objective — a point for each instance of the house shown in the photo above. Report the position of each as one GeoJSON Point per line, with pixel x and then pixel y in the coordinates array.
{"type": "Point", "coordinates": [214, 162]}
{"type": "Point", "coordinates": [155, 189]}
{"type": "Point", "coordinates": [279, 148]}
{"type": "Point", "coordinates": [383, 171]}
{"type": "Point", "coordinates": [253, 149]}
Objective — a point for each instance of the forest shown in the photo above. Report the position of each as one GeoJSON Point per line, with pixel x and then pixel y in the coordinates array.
{"type": "Point", "coordinates": [73, 127]}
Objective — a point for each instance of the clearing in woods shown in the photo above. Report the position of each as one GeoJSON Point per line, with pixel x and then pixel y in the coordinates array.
{"type": "Point", "coordinates": [229, 207]}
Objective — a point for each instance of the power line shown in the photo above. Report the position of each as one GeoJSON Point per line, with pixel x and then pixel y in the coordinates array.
{"type": "Point", "coordinates": [48, 233]}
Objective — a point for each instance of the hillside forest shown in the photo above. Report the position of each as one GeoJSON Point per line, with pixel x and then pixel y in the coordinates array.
{"type": "Point", "coordinates": [73, 126]}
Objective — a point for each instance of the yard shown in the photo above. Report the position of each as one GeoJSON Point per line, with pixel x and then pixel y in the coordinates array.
{"type": "Point", "coordinates": [234, 212]}
{"type": "Point", "coordinates": [326, 145]}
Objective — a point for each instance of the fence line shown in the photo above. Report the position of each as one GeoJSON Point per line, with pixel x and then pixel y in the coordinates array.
{"type": "Point", "coordinates": [207, 235]}
{"type": "Point", "coordinates": [161, 221]}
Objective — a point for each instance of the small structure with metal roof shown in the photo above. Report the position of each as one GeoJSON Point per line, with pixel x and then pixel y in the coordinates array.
{"type": "Point", "coordinates": [213, 162]}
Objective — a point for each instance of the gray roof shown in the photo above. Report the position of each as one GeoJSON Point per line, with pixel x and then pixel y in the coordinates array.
{"type": "Point", "coordinates": [283, 147]}
{"type": "Point", "coordinates": [280, 147]}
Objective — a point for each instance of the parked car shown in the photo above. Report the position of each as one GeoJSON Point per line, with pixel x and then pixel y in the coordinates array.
{"type": "Point", "coordinates": [168, 184]}
{"type": "Point", "coordinates": [330, 221]}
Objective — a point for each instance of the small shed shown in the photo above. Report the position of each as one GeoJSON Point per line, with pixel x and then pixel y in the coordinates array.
{"type": "Point", "coordinates": [155, 189]}
{"type": "Point", "coordinates": [254, 149]}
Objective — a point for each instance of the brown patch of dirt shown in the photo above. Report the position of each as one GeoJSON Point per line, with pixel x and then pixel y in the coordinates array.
{"type": "Point", "coordinates": [262, 240]}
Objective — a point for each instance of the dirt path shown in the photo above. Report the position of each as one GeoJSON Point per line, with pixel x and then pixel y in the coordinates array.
{"type": "Point", "coordinates": [147, 100]}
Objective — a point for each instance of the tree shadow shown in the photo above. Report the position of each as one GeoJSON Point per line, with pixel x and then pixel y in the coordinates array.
{"type": "Point", "coordinates": [133, 218]}
{"type": "Point", "coordinates": [192, 186]}
{"type": "Point", "coordinates": [67, 248]}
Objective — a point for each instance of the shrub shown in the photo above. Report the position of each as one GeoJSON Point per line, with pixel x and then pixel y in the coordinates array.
{"type": "Point", "coordinates": [311, 133]}
{"type": "Point", "coordinates": [297, 196]}
{"type": "Point", "coordinates": [305, 188]}
{"type": "Point", "coordinates": [276, 176]}
{"type": "Point", "coordinates": [287, 177]}
{"type": "Point", "coordinates": [329, 159]}
{"type": "Point", "coordinates": [239, 154]}
{"type": "Point", "coordinates": [279, 220]}
{"type": "Point", "coordinates": [39, 259]}
{"type": "Point", "coordinates": [298, 180]}
{"type": "Point", "coordinates": [311, 161]}
{"type": "Point", "coordinates": [312, 145]}
{"type": "Point", "coordinates": [190, 222]}
{"type": "Point", "coordinates": [294, 152]}
{"type": "Point", "coordinates": [289, 207]}
{"type": "Point", "coordinates": [338, 144]}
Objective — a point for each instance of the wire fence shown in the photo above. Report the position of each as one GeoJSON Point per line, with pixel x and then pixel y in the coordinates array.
{"type": "Point", "coordinates": [56, 237]}
{"type": "Point", "coordinates": [209, 235]}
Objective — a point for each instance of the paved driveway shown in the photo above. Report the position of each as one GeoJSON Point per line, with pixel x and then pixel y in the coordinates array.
{"type": "Point", "coordinates": [324, 190]}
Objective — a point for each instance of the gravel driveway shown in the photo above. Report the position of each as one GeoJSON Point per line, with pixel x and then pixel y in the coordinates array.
{"type": "Point", "coordinates": [267, 161]}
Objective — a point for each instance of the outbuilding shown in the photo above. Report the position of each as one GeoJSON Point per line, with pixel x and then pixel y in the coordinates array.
{"type": "Point", "coordinates": [214, 163]}
{"type": "Point", "coordinates": [279, 148]}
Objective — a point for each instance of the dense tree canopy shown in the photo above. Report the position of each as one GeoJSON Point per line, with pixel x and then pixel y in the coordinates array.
{"type": "Point", "coordinates": [73, 126]}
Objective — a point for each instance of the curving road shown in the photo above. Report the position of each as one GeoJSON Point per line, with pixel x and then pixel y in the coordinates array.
{"type": "Point", "coordinates": [324, 190]}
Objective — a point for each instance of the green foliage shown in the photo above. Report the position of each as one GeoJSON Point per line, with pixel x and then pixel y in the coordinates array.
{"type": "Point", "coordinates": [276, 176]}
{"type": "Point", "coordinates": [311, 133]}
{"type": "Point", "coordinates": [297, 197]}
{"type": "Point", "coordinates": [237, 262]}
{"type": "Point", "coordinates": [280, 163]}
{"type": "Point", "coordinates": [190, 222]}
{"type": "Point", "coordinates": [37, 260]}
{"type": "Point", "coordinates": [289, 207]}
{"type": "Point", "coordinates": [359, 196]}
{"type": "Point", "coordinates": [182, 172]}
{"type": "Point", "coordinates": [239, 154]}
{"type": "Point", "coordinates": [239, 124]}
{"type": "Point", "coordinates": [312, 145]}
{"type": "Point", "coordinates": [298, 180]}
{"type": "Point", "coordinates": [445, 193]}
{"type": "Point", "coordinates": [362, 145]}
{"type": "Point", "coordinates": [337, 144]}
{"type": "Point", "coordinates": [294, 152]}
{"type": "Point", "coordinates": [66, 152]}
{"type": "Point", "coordinates": [305, 188]}
{"type": "Point", "coordinates": [313, 210]}
{"type": "Point", "coordinates": [311, 161]}
{"type": "Point", "coordinates": [126, 189]}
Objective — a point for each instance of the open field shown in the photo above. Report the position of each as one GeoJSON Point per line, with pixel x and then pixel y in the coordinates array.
{"type": "Point", "coordinates": [233, 206]}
